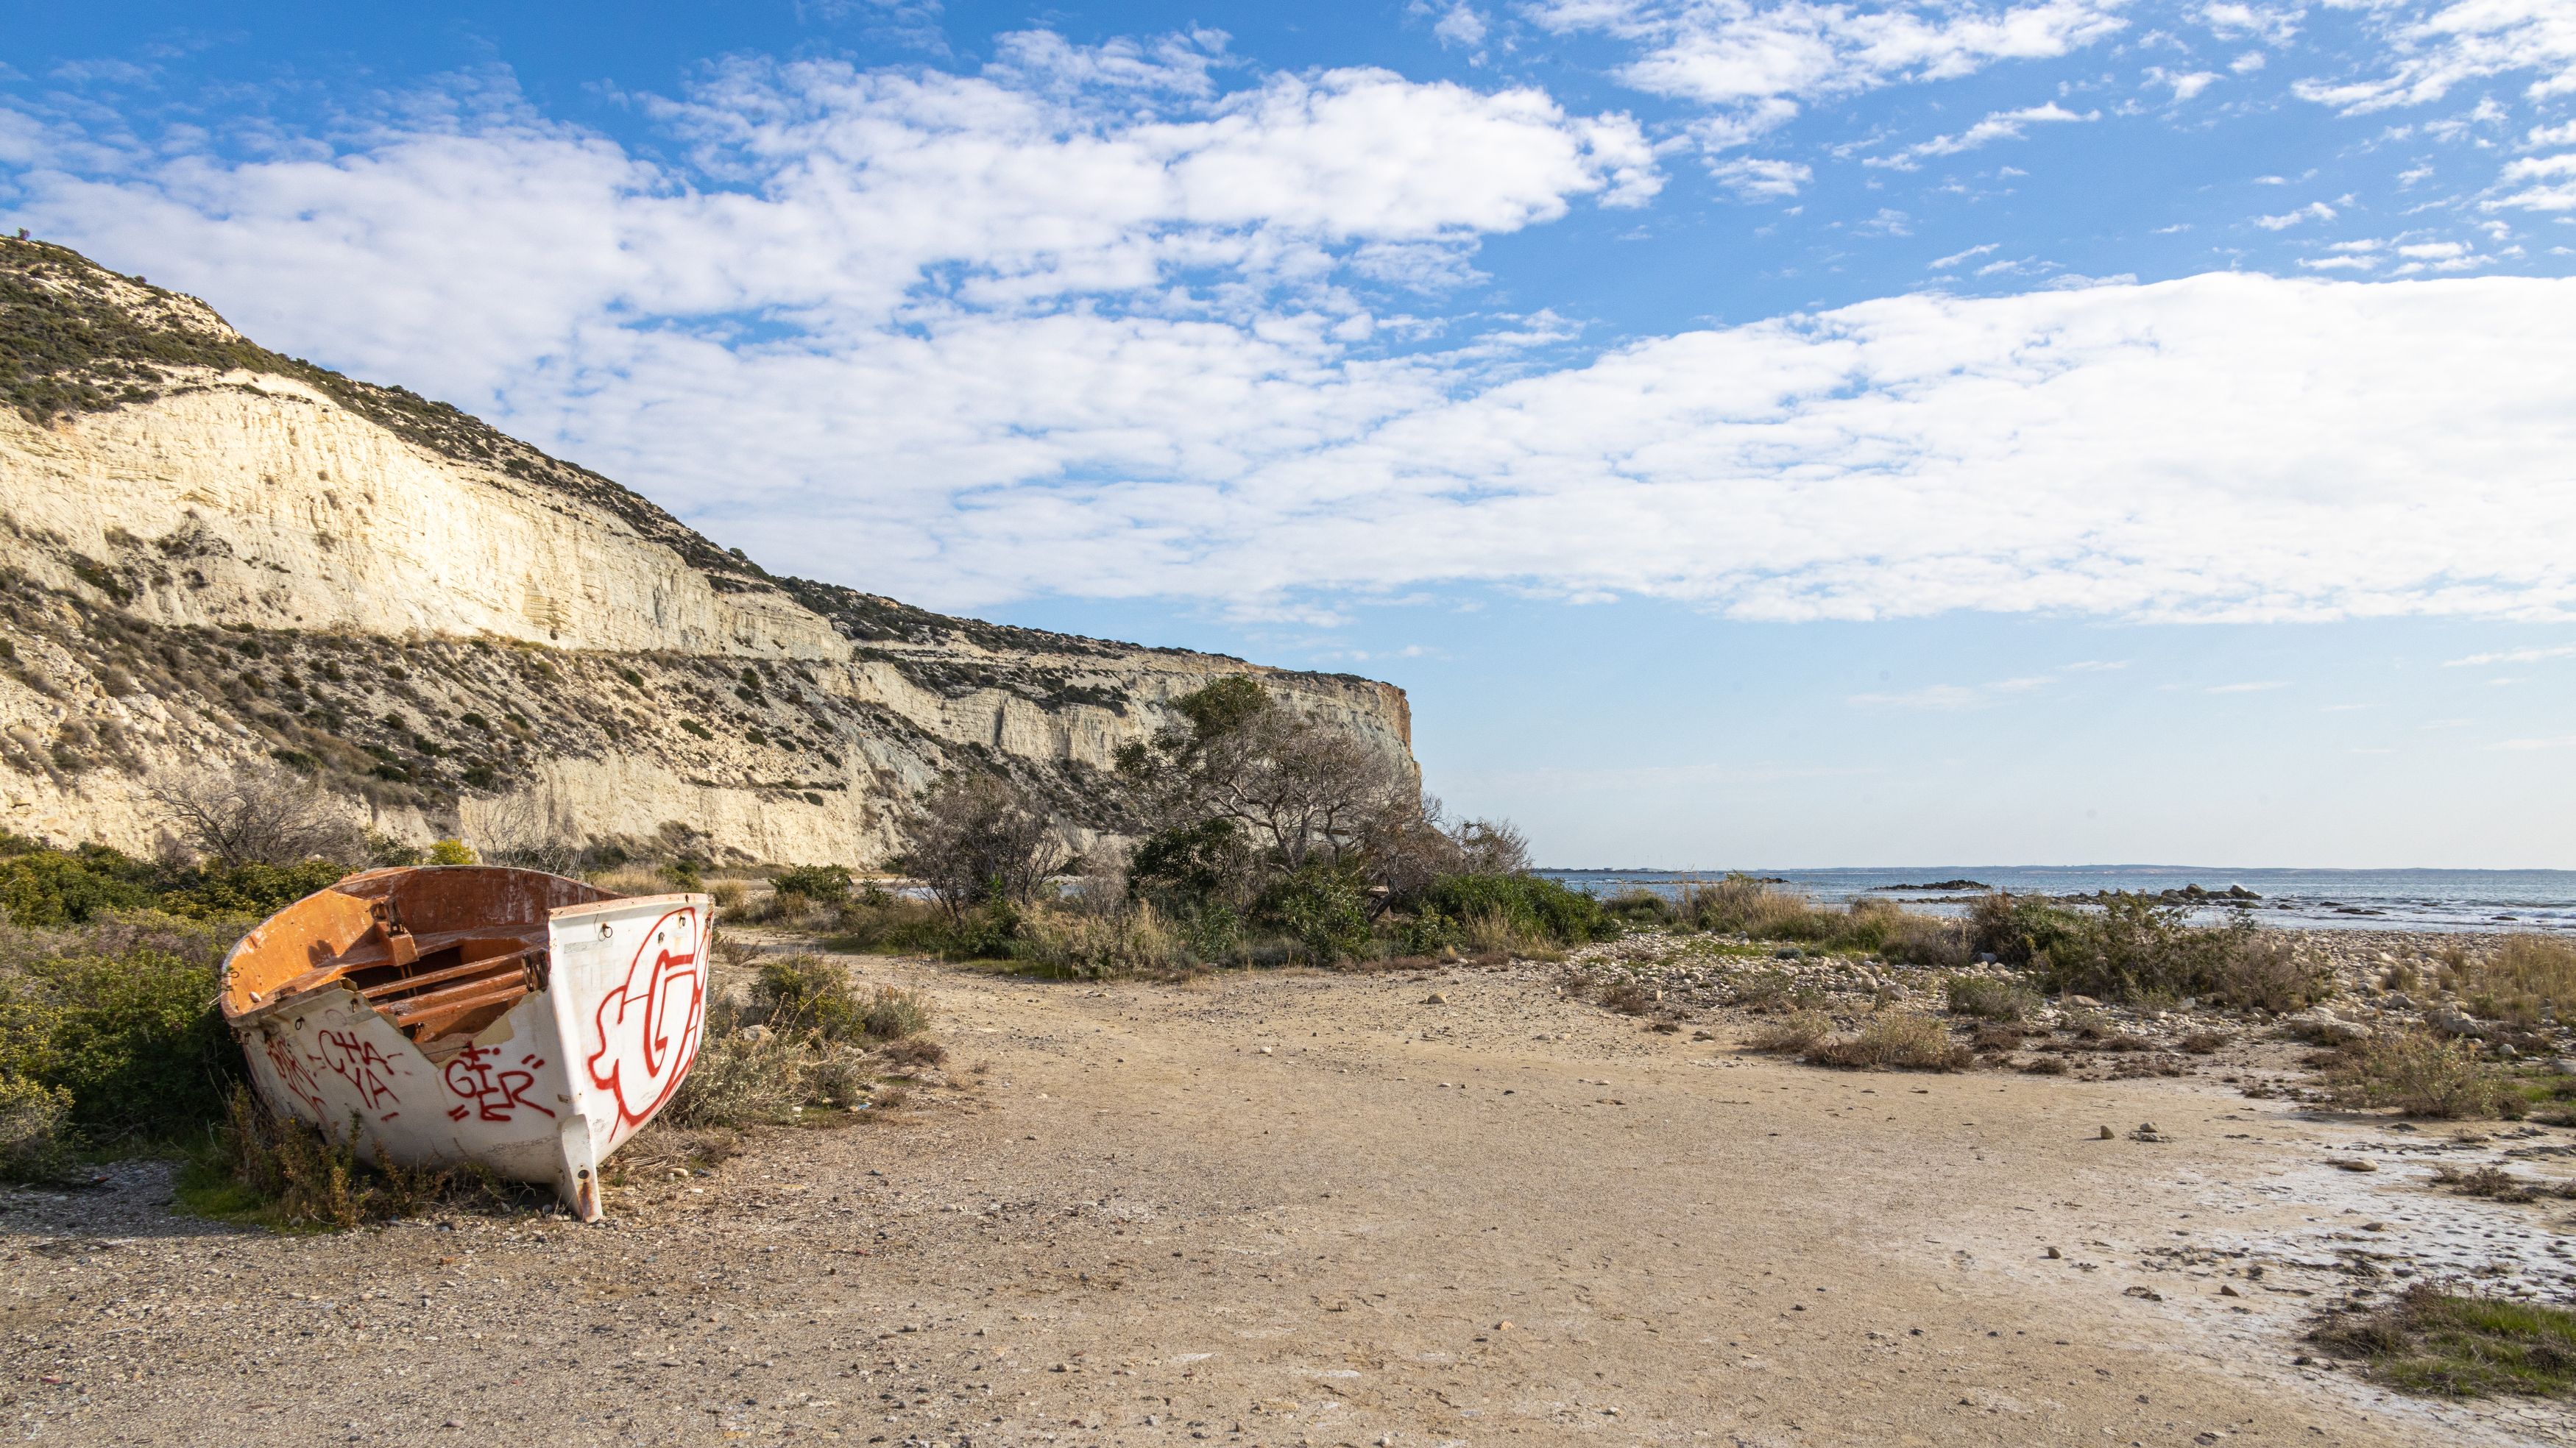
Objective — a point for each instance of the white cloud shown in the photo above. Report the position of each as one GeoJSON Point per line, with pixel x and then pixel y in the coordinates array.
{"type": "Point", "coordinates": [1757, 61]}
{"type": "Point", "coordinates": [1461, 25]}
{"type": "Point", "coordinates": [2186, 84]}
{"type": "Point", "coordinates": [1762, 180]}
{"type": "Point", "coordinates": [2428, 54]}
{"type": "Point", "coordinates": [2258, 686]}
{"type": "Point", "coordinates": [1090, 327]}
{"type": "Point", "coordinates": [2248, 63]}
{"type": "Point", "coordinates": [2558, 135]}
{"type": "Point", "coordinates": [2313, 211]}
{"type": "Point", "coordinates": [1953, 698]}
{"type": "Point", "coordinates": [1956, 257]}
{"type": "Point", "coordinates": [1999, 126]}
{"type": "Point", "coordinates": [2273, 25]}
{"type": "Point", "coordinates": [2513, 656]}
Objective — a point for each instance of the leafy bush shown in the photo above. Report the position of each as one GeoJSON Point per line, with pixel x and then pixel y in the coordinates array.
{"type": "Point", "coordinates": [35, 1136]}
{"type": "Point", "coordinates": [245, 890]}
{"type": "Point", "coordinates": [2136, 948]}
{"type": "Point", "coordinates": [1190, 868]}
{"type": "Point", "coordinates": [1638, 906]}
{"type": "Point", "coordinates": [42, 887]}
{"type": "Point", "coordinates": [893, 1015]}
{"type": "Point", "coordinates": [740, 1077]}
{"type": "Point", "coordinates": [450, 852]}
{"type": "Point", "coordinates": [1537, 906]}
{"type": "Point", "coordinates": [2419, 1074]}
{"type": "Point", "coordinates": [822, 884]}
{"type": "Point", "coordinates": [129, 1032]}
{"type": "Point", "coordinates": [1322, 909]}
{"type": "Point", "coordinates": [1756, 909]}
{"type": "Point", "coordinates": [807, 994]}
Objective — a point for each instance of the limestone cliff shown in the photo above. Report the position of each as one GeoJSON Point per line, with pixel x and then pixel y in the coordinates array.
{"type": "Point", "coordinates": [213, 552]}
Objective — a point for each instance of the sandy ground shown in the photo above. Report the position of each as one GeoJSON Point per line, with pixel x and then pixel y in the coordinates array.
{"type": "Point", "coordinates": [1320, 1209]}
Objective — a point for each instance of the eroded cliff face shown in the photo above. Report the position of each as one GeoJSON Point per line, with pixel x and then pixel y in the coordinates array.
{"type": "Point", "coordinates": [216, 554]}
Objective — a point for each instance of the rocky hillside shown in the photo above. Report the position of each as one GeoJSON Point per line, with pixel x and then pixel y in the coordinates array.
{"type": "Point", "coordinates": [211, 552]}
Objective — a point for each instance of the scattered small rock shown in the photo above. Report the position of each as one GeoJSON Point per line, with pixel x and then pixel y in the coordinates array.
{"type": "Point", "coordinates": [2351, 1163]}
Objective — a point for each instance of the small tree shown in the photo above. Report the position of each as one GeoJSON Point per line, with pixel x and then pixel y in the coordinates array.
{"type": "Point", "coordinates": [975, 837]}
{"type": "Point", "coordinates": [255, 814]}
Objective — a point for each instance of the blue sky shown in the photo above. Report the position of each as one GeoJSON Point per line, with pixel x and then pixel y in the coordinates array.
{"type": "Point", "coordinates": [1756, 433]}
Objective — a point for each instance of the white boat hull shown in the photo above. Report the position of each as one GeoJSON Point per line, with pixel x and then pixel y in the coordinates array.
{"type": "Point", "coordinates": [542, 1094]}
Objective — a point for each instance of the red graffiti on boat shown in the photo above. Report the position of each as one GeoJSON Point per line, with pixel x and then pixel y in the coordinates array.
{"type": "Point", "coordinates": [355, 1059]}
{"type": "Point", "coordinates": [492, 1092]}
{"type": "Point", "coordinates": [648, 1025]}
{"type": "Point", "coordinates": [295, 1076]}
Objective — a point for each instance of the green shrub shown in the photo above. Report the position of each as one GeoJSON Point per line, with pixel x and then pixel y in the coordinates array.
{"type": "Point", "coordinates": [1740, 903]}
{"type": "Point", "coordinates": [822, 884]}
{"type": "Point", "coordinates": [2137, 948]}
{"type": "Point", "coordinates": [2014, 929]}
{"type": "Point", "coordinates": [1638, 906]}
{"type": "Point", "coordinates": [1191, 868]}
{"type": "Point", "coordinates": [284, 1172]}
{"type": "Point", "coordinates": [807, 994]}
{"type": "Point", "coordinates": [131, 1035]}
{"type": "Point", "coordinates": [252, 890]}
{"type": "Point", "coordinates": [450, 852]}
{"type": "Point", "coordinates": [43, 888]}
{"type": "Point", "coordinates": [878, 923]}
{"type": "Point", "coordinates": [2453, 1345]}
{"type": "Point", "coordinates": [1540, 907]}
{"type": "Point", "coordinates": [1321, 909]}
{"type": "Point", "coordinates": [1427, 933]}
{"type": "Point", "coordinates": [2419, 1074]}
{"type": "Point", "coordinates": [894, 1014]}
{"type": "Point", "coordinates": [740, 1078]}
{"type": "Point", "coordinates": [35, 1130]}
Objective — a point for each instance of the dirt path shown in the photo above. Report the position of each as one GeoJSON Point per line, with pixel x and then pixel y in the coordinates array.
{"type": "Point", "coordinates": [1309, 1209]}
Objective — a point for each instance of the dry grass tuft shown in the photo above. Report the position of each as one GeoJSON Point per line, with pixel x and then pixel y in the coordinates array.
{"type": "Point", "coordinates": [1628, 996]}
{"type": "Point", "coordinates": [1797, 1032]}
{"type": "Point", "coordinates": [2418, 1074]}
{"type": "Point", "coordinates": [1894, 1041]}
{"type": "Point", "coordinates": [2525, 980]}
{"type": "Point", "coordinates": [1990, 999]}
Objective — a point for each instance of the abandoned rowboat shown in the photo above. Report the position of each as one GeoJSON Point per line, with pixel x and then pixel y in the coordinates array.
{"type": "Point", "coordinates": [450, 1014]}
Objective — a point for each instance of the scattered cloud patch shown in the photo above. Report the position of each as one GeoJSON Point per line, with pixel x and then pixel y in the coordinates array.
{"type": "Point", "coordinates": [1956, 257]}
{"type": "Point", "coordinates": [1998, 126]}
{"type": "Point", "coordinates": [2513, 656]}
{"type": "Point", "coordinates": [2258, 686]}
{"type": "Point", "coordinates": [2313, 211]}
{"type": "Point", "coordinates": [1754, 64]}
{"type": "Point", "coordinates": [1762, 180]}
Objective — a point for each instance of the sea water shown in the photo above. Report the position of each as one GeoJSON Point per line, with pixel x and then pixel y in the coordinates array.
{"type": "Point", "coordinates": [2322, 899]}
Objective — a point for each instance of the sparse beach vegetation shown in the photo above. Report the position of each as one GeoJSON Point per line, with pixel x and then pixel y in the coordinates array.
{"type": "Point", "coordinates": [2451, 1344]}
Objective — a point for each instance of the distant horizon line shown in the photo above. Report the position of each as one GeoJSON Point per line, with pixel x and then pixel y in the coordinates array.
{"type": "Point", "coordinates": [1970, 869]}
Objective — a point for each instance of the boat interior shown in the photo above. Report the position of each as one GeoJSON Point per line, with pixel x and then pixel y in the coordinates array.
{"type": "Point", "coordinates": [440, 951]}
